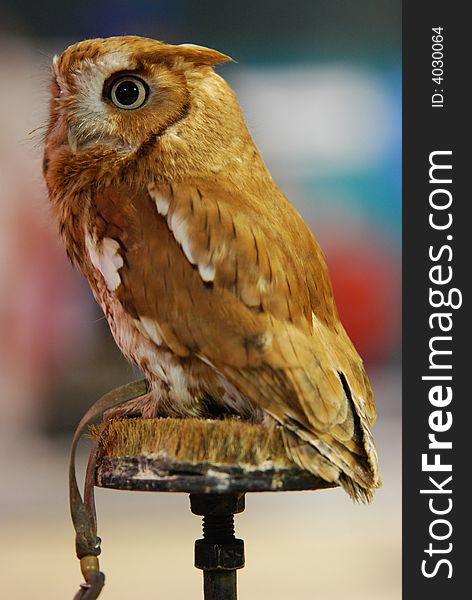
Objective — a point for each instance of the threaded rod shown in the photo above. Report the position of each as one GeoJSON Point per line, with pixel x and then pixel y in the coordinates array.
{"type": "Point", "coordinates": [218, 528]}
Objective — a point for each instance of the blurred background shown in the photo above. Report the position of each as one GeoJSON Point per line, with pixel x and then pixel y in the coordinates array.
{"type": "Point", "coordinates": [320, 85]}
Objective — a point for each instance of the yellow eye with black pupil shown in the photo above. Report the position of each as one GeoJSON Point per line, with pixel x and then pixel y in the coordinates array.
{"type": "Point", "coordinates": [128, 92]}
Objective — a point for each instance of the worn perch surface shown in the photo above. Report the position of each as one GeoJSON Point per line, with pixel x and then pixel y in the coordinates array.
{"type": "Point", "coordinates": [197, 456]}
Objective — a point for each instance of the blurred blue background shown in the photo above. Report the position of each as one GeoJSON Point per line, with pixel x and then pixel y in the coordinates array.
{"type": "Point", "coordinates": [320, 86]}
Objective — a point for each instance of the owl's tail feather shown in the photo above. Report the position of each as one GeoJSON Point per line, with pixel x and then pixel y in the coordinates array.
{"type": "Point", "coordinates": [309, 458]}
{"type": "Point", "coordinates": [340, 461]}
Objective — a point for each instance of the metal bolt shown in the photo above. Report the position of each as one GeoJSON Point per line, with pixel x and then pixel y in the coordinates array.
{"type": "Point", "coordinates": [219, 553]}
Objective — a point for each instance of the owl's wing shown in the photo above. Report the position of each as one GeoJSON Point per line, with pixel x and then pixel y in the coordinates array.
{"type": "Point", "coordinates": [243, 285]}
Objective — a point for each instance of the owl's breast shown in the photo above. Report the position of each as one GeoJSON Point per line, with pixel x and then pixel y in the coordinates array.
{"type": "Point", "coordinates": [97, 239]}
{"type": "Point", "coordinates": [137, 341]}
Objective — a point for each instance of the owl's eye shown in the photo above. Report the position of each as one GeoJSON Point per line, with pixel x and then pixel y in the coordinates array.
{"type": "Point", "coordinates": [128, 92]}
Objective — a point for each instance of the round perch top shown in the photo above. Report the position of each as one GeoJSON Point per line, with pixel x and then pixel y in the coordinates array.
{"type": "Point", "coordinates": [197, 456]}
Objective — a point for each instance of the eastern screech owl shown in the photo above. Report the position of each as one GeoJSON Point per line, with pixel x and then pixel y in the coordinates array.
{"type": "Point", "coordinates": [210, 280]}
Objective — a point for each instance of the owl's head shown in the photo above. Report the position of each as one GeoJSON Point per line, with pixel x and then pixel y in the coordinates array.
{"type": "Point", "coordinates": [119, 92]}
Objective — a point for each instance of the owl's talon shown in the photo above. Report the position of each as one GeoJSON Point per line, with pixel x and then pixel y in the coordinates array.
{"type": "Point", "coordinates": [146, 406]}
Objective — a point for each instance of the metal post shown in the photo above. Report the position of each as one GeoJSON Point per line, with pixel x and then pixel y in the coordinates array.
{"type": "Point", "coordinates": [219, 553]}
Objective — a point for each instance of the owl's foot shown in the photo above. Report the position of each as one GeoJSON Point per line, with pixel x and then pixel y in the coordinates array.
{"type": "Point", "coordinates": [147, 406]}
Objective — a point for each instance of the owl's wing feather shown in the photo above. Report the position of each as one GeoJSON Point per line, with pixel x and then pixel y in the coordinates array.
{"type": "Point", "coordinates": [209, 269]}
{"type": "Point", "coordinates": [233, 246]}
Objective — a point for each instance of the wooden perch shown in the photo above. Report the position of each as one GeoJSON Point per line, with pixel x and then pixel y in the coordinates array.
{"type": "Point", "coordinates": [196, 456]}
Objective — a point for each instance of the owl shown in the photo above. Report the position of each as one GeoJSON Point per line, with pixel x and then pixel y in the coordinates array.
{"type": "Point", "coordinates": [210, 280]}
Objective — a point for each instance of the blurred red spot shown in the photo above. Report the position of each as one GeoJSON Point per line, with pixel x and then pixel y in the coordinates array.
{"type": "Point", "coordinates": [367, 289]}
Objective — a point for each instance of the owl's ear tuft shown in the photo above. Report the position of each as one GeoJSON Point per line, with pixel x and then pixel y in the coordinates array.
{"type": "Point", "coordinates": [201, 55]}
{"type": "Point", "coordinates": [197, 55]}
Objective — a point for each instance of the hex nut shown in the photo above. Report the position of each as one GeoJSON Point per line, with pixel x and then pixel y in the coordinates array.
{"type": "Point", "coordinates": [217, 504]}
{"type": "Point", "coordinates": [211, 556]}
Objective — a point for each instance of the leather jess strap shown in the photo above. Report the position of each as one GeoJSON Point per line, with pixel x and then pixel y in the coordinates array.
{"type": "Point", "coordinates": [83, 514]}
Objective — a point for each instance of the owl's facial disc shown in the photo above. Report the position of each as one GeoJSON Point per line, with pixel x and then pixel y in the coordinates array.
{"type": "Point", "coordinates": [116, 94]}
{"type": "Point", "coordinates": [118, 102]}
